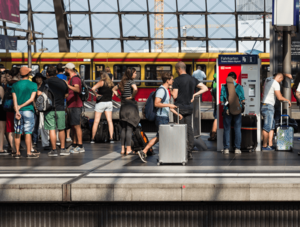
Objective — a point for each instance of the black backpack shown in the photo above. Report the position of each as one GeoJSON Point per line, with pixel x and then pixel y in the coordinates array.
{"type": "Point", "coordinates": [140, 140]}
{"type": "Point", "coordinates": [7, 103]}
{"type": "Point", "coordinates": [85, 127]}
{"type": "Point", "coordinates": [102, 134]}
{"type": "Point", "coordinates": [84, 91]}
{"type": "Point", "coordinates": [46, 101]}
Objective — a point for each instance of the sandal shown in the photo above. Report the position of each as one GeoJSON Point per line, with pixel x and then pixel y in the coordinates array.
{"type": "Point", "coordinates": [130, 153]}
{"type": "Point", "coordinates": [15, 155]}
{"type": "Point", "coordinates": [32, 156]}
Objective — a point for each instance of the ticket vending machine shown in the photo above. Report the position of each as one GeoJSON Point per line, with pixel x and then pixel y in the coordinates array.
{"type": "Point", "coordinates": [247, 69]}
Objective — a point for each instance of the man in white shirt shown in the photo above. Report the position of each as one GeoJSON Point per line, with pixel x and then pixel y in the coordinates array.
{"type": "Point", "coordinates": [271, 92]}
{"type": "Point", "coordinates": [199, 74]}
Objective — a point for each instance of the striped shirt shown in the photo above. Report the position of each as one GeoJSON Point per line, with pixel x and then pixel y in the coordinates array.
{"type": "Point", "coordinates": [128, 89]}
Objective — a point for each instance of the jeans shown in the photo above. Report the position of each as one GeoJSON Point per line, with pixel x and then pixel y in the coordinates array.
{"type": "Point", "coordinates": [26, 122]}
{"type": "Point", "coordinates": [237, 119]}
{"type": "Point", "coordinates": [187, 119]}
{"type": "Point", "coordinates": [39, 129]}
{"type": "Point", "coordinates": [268, 111]}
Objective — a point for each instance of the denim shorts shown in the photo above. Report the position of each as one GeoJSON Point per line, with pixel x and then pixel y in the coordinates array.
{"type": "Point", "coordinates": [103, 106]}
{"type": "Point", "coordinates": [27, 122]}
{"type": "Point", "coordinates": [160, 121]}
{"type": "Point", "coordinates": [268, 111]}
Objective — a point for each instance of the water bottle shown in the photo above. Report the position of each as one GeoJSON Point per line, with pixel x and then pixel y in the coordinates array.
{"type": "Point", "coordinates": [18, 127]}
{"type": "Point", "coordinates": [83, 91]}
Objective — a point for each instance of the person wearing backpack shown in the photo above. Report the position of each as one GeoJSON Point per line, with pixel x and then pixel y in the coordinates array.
{"type": "Point", "coordinates": [75, 105]}
{"type": "Point", "coordinates": [24, 92]}
{"type": "Point", "coordinates": [55, 117]}
{"type": "Point", "coordinates": [228, 91]}
{"type": "Point", "coordinates": [163, 107]}
{"type": "Point", "coordinates": [103, 104]}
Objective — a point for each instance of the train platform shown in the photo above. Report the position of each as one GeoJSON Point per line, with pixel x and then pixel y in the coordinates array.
{"type": "Point", "coordinates": [103, 174]}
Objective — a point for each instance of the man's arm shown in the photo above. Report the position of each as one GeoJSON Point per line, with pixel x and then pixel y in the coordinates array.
{"type": "Point", "coordinates": [202, 88]}
{"type": "Point", "coordinates": [288, 75]}
{"type": "Point", "coordinates": [158, 104]}
{"type": "Point", "coordinates": [281, 98]}
{"type": "Point", "coordinates": [175, 93]}
{"type": "Point", "coordinates": [74, 88]}
{"type": "Point", "coordinates": [32, 97]}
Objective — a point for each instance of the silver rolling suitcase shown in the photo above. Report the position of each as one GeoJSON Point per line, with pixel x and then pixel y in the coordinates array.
{"type": "Point", "coordinates": [173, 144]}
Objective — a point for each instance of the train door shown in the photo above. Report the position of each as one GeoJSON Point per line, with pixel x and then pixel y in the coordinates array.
{"type": "Point", "coordinates": [189, 69]}
{"type": "Point", "coordinates": [85, 72]}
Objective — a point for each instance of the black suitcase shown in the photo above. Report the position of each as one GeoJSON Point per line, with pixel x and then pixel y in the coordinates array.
{"type": "Point", "coordinates": [102, 134]}
{"type": "Point", "coordinates": [249, 133]}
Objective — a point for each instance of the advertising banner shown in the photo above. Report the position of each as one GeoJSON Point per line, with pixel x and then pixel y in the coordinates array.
{"type": "Point", "coordinates": [8, 42]}
{"type": "Point", "coordinates": [9, 11]}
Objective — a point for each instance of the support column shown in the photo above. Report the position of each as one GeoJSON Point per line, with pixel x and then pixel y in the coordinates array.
{"type": "Point", "coordinates": [287, 68]}
{"type": "Point", "coordinates": [29, 34]}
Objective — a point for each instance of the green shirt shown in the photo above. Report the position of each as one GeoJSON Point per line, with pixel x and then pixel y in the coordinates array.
{"type": "Point", "coordinates": [23, 90]}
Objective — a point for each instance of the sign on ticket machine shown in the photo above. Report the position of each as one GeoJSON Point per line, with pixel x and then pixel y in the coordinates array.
{"type": "Point", "coordinates": [247, 69]}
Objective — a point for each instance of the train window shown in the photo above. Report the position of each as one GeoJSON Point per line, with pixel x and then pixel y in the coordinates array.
{"type": "Point", "coordinates": [98, 69]}
{"type": "Point", "coordinates": [35, 68]}
{"type": "Point", "coordinates": [119, 71]}
{"type": "Point", "coordinates": [203, 68]}
{"type": "Point", "coordinates": [85, 72]}
{"type": "Point", "coordinates": [154, 72]}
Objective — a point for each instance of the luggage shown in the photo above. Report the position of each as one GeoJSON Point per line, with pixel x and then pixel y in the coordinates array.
{"type": "Point", "coordinates": [173, 143]}
{"type": "Point", "coordinates": [249, 133]}
{"type": "Point", "coordinates": [290, 122]}
{"type": "Point", "coordinates": [285, 135]}
{"type": "Point", "coordinates": [102, 134]}
{"type": "Point", "coordinates": [85, 127]}
{"type": "Point", "coordinates": [117, 131]}
{"type": "Point", "coordinates": [140, 140]}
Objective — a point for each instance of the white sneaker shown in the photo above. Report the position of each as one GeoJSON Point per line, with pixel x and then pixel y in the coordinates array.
{"type": "Point", "coordinates": [226, 151]}
{"type": "Point", "coordinates": [237, 151]}
{"type": "Point", "coordinates": [77, 150]}
{"type": "Point", "coordinates": [58, 143]}
{"type": "Point", "coordinates": [69, 149]}
{"type": "Point", "coordinates": [68, 140]}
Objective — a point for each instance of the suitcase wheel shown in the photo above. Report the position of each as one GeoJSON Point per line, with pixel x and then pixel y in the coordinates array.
{"type": "Point", "coordinates": [158, 163]}
{"type": "Point", "coordinates": [183, 163]}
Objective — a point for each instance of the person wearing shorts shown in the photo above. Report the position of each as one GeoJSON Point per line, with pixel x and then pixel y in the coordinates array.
{"type": "Point", "coordinates": [104, 104]}
{"type": "Point", "coordinates": [55, 119]}
{"type": "Point", "coordinates": [75, 105]}
{"type": "Point", "coordinates": [24, 92]}
{"type": "Point", "coordinates": [271, 92]}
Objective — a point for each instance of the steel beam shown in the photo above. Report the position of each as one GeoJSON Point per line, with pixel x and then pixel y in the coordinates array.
{"type": "Point", "coordinates": [62, 26]}
{"type": "Point", "coordinates": [121, 27]}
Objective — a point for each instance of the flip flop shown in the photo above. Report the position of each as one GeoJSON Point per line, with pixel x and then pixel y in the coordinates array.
{"type": "Point", "coordinates": [233, 99]}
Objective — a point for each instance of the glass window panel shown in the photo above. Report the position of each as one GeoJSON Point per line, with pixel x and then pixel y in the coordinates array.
{"type": "Point", "coordinates": [104, 6]}
{"type": "Point", "coordinates": [168, 46]}
{"type": "Point", "coordinates": [169, 6]}
{"type": "Point", "coordinates": [80, 46]}
{"type": "Point", "coordinates": [191, 5]}
{"type": "Point", "coordinates": [267, 46]}
{"type": "Point", "coordinates": [222, 46]}
{"type": "Point", "coordinates": [248, 46]}
{"type": "Point", "coordinates": [23, 25]}
{"type": "Point", "coordinates": [169, 26]}
{"type": "Point", "coordinates": [133, 5]}
{"type": "Point", "coordinates": [220, 6]}
{"type": "Point", "coordinates": [35, 68]}
{"type": "Point", "coordinates": [155, 72]}
{"type": "Point", "coordinates": [119, 71]}
{"type": "Point", "coordinates": [81, 25]}
{"type": "Point", "coordinates": [269, 6]}
{"type": "Point", "coordinates": [134, 25]}
{"type": "Point", "coordinates": [107, 46]}
{"type": "Point", "coordinates": [192, 25]}
{"type": "Point", "coordinates": [226, 29]}
{"type": "Point", "coordinates": [98, 69]}
{"type": "Point", "coordinates": [45, 5]}
{"type": "Point", "coordinates": [193, 46]}
{"type": "Point", "coordinates": [76, 5]}
{"type": "Point", "coordinates": [23, 5]}
{"type": "Point", "coordinates": [105, 26]}
{"type": "Point", "coordinates": [136, 46]}
{"type": "Point", "coordinates": [268, 23]}
{"type": "Point", "coordinates": [250, 27]}
{"type": "Point", "coordinates": [51, 45]}
{"type": "Point", "coordinates": [45, 23]}
{"type": "Point", "coordinates": [249, 6]}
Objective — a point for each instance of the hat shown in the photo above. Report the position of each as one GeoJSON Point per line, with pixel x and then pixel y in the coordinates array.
{"type": "Point", "coordinates": [69, 66]}
{"type": "Point", "coordinates": [40, 75]}
{"type": "Point", "coordinates": [24, 70]}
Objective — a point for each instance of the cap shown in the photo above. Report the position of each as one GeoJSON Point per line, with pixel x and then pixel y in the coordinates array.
{"type": "Point", "coordinates": [69, 66]}
{"type": "Point", "coordinates": [24, 70]}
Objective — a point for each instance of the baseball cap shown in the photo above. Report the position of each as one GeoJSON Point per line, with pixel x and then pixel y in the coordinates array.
{"type": "Point", "coordinates": [69, 66]}
{"type": "Point", "coordinates": [24, 70]}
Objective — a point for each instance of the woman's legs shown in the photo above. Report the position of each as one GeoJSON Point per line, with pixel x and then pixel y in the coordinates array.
{"type": "Point", "coordinates": [108, 115]}
{"type": "Point", "coordinates": [129, 130]}
{"type": "Point", "coordinates": [96, 123]}
{"type": "Point", "coordinates": [123, 134]}
{"type": "Point", "coordinates": [2, 131]}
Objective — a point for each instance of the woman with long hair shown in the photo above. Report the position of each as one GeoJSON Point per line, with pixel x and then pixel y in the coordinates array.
{"type": "Point", "coordinates": [129, 113]}
{"type": "Point", "coordinates": [104, 104]}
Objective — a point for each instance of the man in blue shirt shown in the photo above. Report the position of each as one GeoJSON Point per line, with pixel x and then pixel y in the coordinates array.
{"type": "Point", "coordinates": [199, 74]}
{"type": "Point", "coordinates": [60, 72]}
{"type": "Point", "coordinates": [163, 109]}
{"type": "Point", "coordinates": [228, 117]}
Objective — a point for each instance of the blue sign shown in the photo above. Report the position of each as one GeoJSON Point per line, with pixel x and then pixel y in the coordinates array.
{"type": "Point", "coordinates": [8, 42]}
{"type": "Point", "coordinates": [238, 59]}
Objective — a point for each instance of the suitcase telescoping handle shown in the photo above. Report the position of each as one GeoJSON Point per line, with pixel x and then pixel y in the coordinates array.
{"type": "Point", "coordinates": [283, 115]}
{"type": "Point", "coordinates": [178, 115]}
